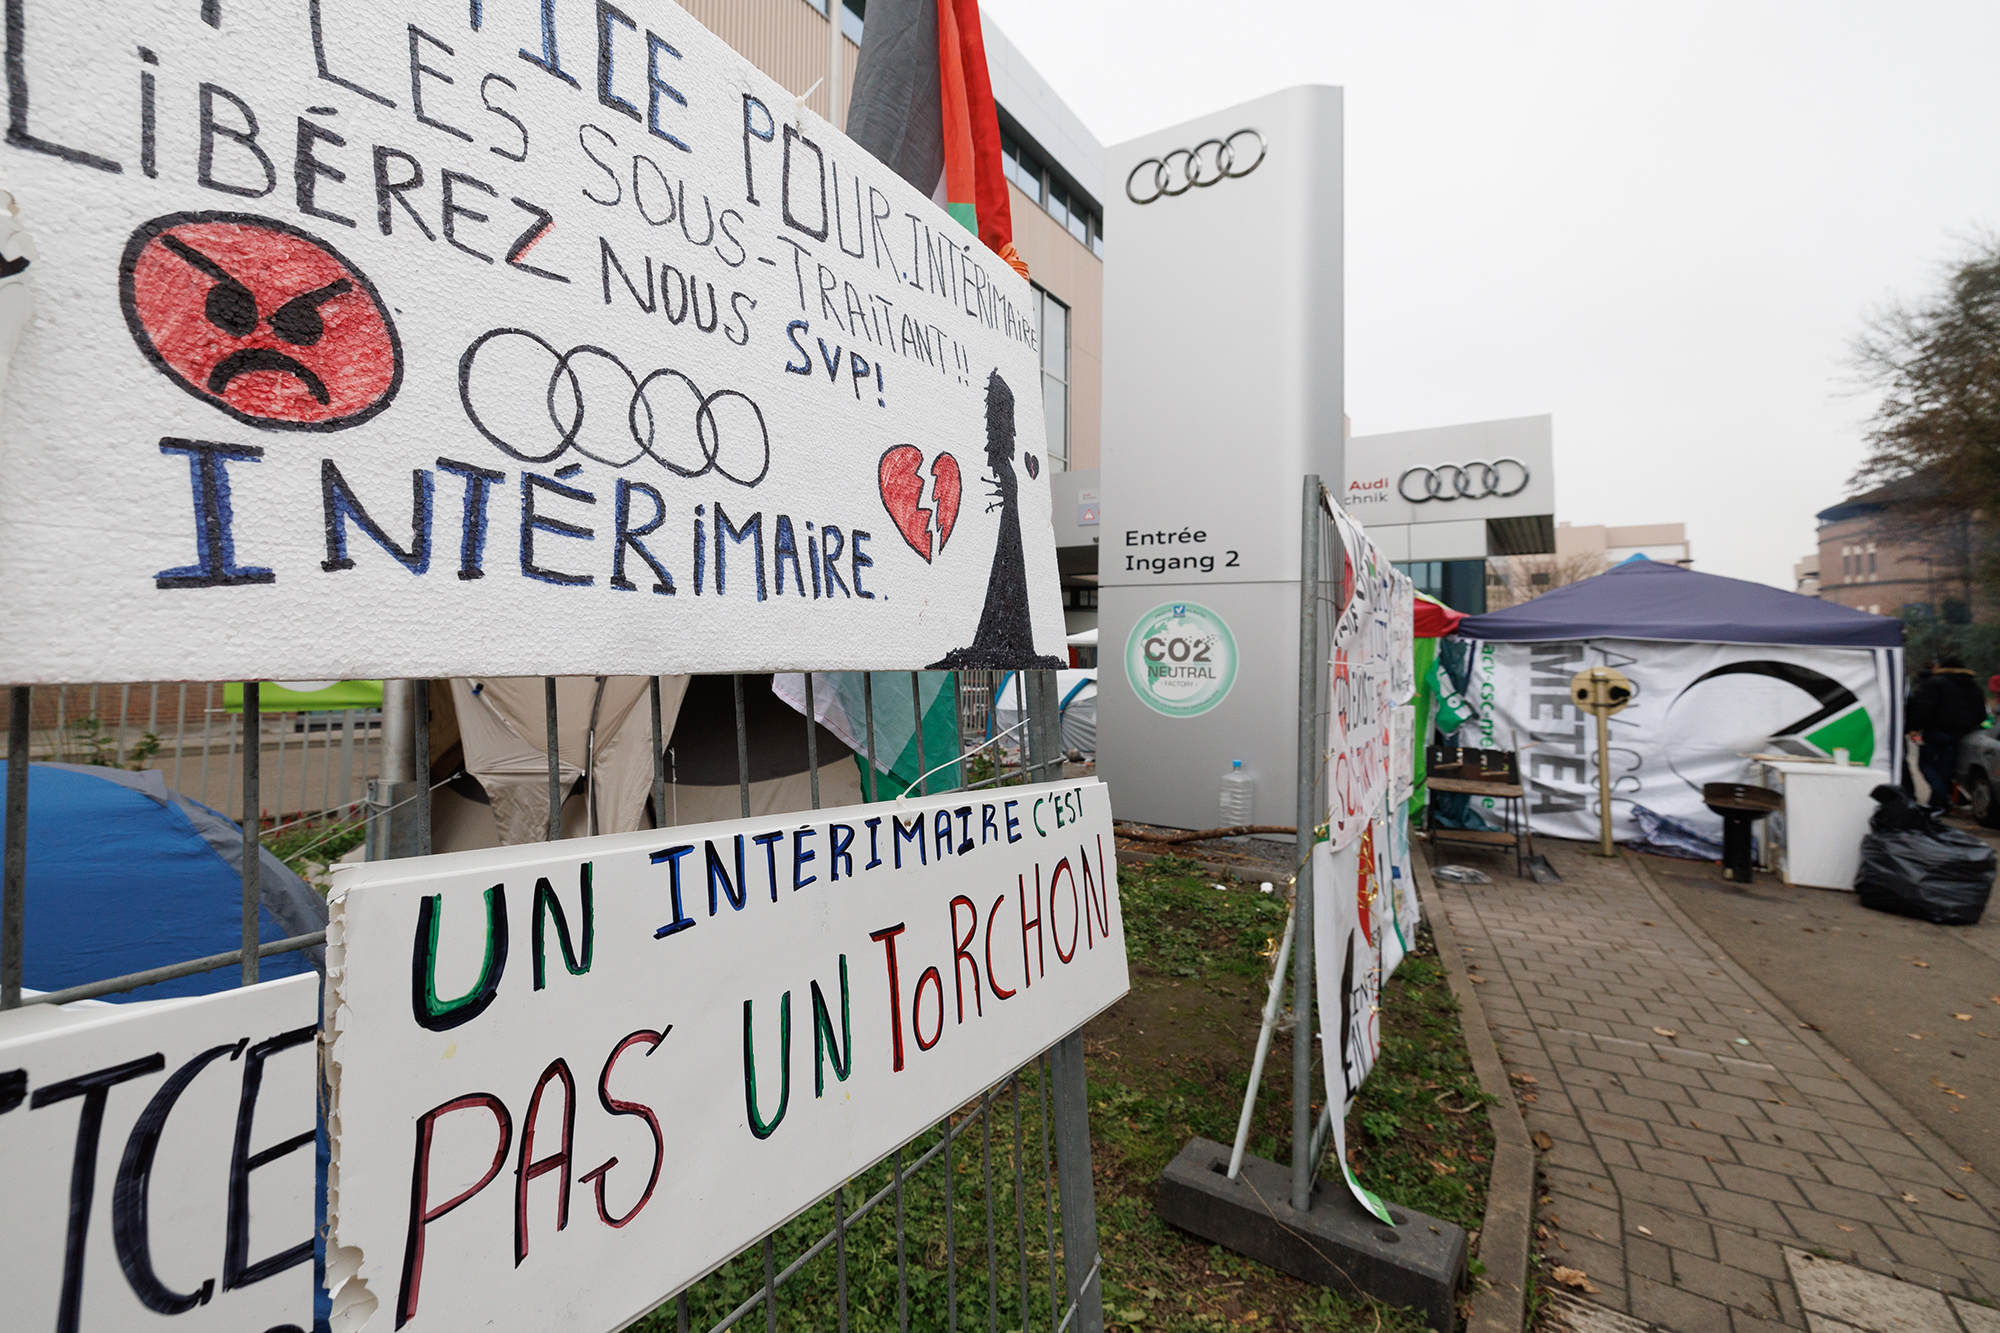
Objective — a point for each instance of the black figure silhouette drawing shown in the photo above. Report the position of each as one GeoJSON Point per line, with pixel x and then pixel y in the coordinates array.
{"type": "Point", "coordinates": [1006, 636]}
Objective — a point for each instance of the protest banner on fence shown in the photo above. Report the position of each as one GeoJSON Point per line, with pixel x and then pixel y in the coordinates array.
{"type": "Point", "coordinates": [570, 1078]}
{"type": "Point", "coordinates": [1365, 908]}
{"type": "Point", "coordinates": [1349, 921]}
{"type": "Point", "coordinates": [1370, 674]}
{"type": "Point", "coordinates": [377, 340]}
{"type": "Point", "coordinates": [157, 1162]}
{"type": "Point", "coordinates": [1400, 906]}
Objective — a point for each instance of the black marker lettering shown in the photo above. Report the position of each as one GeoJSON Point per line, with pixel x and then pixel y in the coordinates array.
{"type": "Point", "coordinates": [307, 170]}
{"type": "Point", "coordinates": [417, 71]}
{"type": "Point", "coordinates": [18, 133]}
{"type": "Point", "coordinates": [319, 55]}
{"type": "Point", "coordinates": [543, 223]}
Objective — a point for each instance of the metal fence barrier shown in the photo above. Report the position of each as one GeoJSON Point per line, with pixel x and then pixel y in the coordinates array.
{"type": "Point", "coordinates": [1325, 588]}
{"type": "Point", "coordinates": [71, 721]}
{"type": "Point", "coordinates": [318, 764]}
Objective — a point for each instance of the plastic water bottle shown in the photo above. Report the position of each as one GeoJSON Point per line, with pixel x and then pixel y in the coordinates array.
{"type": "Point", "coordinates": [1239, 795]}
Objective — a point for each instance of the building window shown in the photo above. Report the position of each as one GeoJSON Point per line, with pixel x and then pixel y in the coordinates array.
{"type": "Point", "coordinates": [1028, 177]}
{"type": "Point", "coordinates": [1035, 179]}
{"type": "Point", "coordinates": [1459, 584]}
{"type": "Point", "coordinates": [1052, 318]}
{"type": "Point", "coordinates": [851, 20]}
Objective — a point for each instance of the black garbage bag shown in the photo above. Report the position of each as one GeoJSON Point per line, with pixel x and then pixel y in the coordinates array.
{"type": "Point", "coordinates": [1913, 865]}
{"type": "Point", "coordinates": [1896, 809]}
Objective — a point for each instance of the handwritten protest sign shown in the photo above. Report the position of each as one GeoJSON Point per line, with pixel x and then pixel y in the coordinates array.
{"type": "Point", "coordinates": [1365, 909]}
{"type": "Point", "coordinates": [570, 1078]}
{"type": "Point", "coordinates": [157, 1162]}
{"type": "Point", "coordinates": [398, 339]}
{"type": "Point", "coordinates": [1370, 674]}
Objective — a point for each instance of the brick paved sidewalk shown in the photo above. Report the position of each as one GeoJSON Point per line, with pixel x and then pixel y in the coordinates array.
{"type": "Point", "coordinates": [1690, 1130]}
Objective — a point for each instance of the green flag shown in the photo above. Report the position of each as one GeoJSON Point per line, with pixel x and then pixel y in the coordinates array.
{"type": "Point", "coordinates": [1453, 711]}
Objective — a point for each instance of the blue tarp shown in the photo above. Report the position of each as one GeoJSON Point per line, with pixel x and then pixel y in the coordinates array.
{"type": "Point", "coordinates": [1644, 599]}
{"type": "Point", "coordinates": [125, 874]}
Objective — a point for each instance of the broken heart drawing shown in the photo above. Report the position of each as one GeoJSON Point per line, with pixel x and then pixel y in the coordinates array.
{"type": "Point", "coordinates": [902, 482]}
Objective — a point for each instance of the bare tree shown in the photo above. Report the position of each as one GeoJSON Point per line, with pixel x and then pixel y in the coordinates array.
{"type": "Point", "coordinates": [1934, 443]}
{"type": "Point", "coordinates": [1525, 577]}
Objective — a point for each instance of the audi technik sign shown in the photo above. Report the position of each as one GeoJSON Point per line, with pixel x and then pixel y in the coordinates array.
{"type": "Point", "coordinates": [1465, 481]}
{"type": "Point", "coordinates": [1485, 470]}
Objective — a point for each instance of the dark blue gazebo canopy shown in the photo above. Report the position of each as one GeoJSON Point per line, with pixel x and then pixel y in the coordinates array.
{"type": "Point", "coordinates": [1644, 599]}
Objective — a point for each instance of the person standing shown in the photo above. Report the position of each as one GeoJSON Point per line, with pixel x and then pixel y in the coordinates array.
{"type": "Point", "coordinates": [1945, 705]}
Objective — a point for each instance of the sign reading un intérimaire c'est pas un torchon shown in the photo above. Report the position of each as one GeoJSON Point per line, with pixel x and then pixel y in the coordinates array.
{"type": "Point", "coordinates": [419, 339]}
{"type": "Point", "coordinates": [569, 1079]}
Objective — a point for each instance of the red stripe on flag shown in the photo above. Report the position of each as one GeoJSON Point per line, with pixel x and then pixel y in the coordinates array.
{"type": "Point", "coordinates": [996, 215]}
{"type": "Point", "coordinates": [960, 168]}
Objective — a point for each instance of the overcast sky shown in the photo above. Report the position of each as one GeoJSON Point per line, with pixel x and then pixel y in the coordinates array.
{"type": "Point", "coordinates": [1662, 223]}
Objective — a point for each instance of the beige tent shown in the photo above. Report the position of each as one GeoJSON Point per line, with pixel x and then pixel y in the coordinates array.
{"type": "Point", "coordinates": [496, 730]}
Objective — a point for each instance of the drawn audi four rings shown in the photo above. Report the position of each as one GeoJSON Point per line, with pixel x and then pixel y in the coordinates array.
{"type": "Point", "coordinates": [567, 412]}
{"type": "Point", "coordinates": [1477, 480]}
{"type": "Point", "coordinates": [1197, 166]}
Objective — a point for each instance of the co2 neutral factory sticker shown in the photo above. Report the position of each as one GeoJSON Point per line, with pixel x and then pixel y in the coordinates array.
{"type": "Point", "coordinates": [1181, 659]}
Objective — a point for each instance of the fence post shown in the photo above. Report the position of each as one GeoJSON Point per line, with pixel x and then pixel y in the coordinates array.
{"type": "Point", "coordinates": [420, 752]}
{"type": "Point", "coordinates": [1302, 952]}
{"type": "Point", "coordinates": [253, 822]}
{"type": "Point", "coordinates": [14, 912]}
{"type": "Point", "coordinates": [659, 755]}
{"type": "Point", "coordinates": [346, 763]}
{"type": "Point", "coordinates": [1041, 749]}
{"type": "Point", "coordinates": [1073, 1181]}
{"type": "Point", "coordinates": [553, 746]}
{"type": "Point", "coordinates": [393, 829]}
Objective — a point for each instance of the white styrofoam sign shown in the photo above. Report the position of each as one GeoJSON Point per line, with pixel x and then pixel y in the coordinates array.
{"type": "Point", "coordinates": [157, 1162]}
{"type": "Point", "coordinates": [570, 1078]}
{"type": "Point", "coordinates": [409, 339]}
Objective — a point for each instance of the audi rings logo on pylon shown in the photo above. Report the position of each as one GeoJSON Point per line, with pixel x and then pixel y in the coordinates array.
{"type": "Point", "coordinates": [534, 403]}
{"type": "Point", "coordinates": [1477, 480]}
{"type": "Point", "coordinates": [1205, 164]}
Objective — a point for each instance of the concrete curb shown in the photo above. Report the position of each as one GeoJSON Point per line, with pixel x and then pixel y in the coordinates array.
{"type": "Point", "coordinates": [1500, 1306]}
{"type": "Point", "coordinates": [1984, 1192]}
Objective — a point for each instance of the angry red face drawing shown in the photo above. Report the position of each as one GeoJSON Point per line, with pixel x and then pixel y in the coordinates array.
{"type": "Point", "coordinates": [251, 315]}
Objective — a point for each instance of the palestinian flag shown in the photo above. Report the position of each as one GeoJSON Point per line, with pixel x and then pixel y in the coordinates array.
{"type": "Point", "coordinates": [923, 105]}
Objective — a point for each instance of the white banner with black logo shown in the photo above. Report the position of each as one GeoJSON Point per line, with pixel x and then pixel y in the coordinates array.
{"type": "Point", "coordinates": [1700, 710]}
